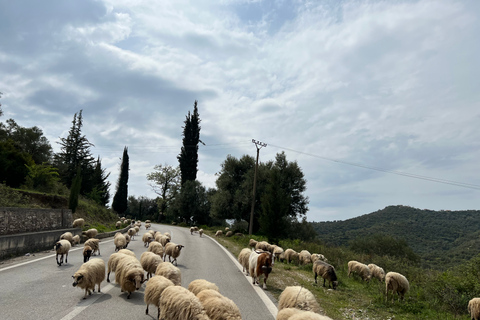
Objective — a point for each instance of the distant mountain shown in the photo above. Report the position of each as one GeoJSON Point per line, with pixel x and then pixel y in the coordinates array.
{"type": "Point", "coordinates": [438, 237]}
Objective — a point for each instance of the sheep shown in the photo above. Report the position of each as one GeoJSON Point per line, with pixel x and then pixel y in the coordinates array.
{"type": "Point", "coordinates": [87, 253]}
{"type": "Point", "coordinates": [76, 239]}
{"type": "Point", "coordinates": [67, 236]}
{"type": "Point", "coordinates": [78, 223]}
{"type": "Point", "coordinates": [359, 268]}
{"type": "Point", "coordinates": [120, 242]}
{"type": "Point", "coordinates": [318, 256]}
{"type": "Point", "coordinates": [308, 315]}
{"type": "Point", "coordinates": [226, 229]}
{"type": "Point", "coordinates": [218, 307]}
{"type": "Point", "coordinates": [148, 221]}
{"type": "Point", "coordinates": [219, 233]}
{"type": "Point", "coordinates": [196, 286]}
{"type": "Point", "coordinates": [377, 272]}
{"type": "Point", "coordinates": [263, 245]}
{"type": "Point", "coordinates": [243, 258]}
{"type": "Point", "coordinates": [229, 234]}
{"type": "Point", "coordinates": [153, 291]}
{"type": "Point", "coordinates": [115, 258]}
{"type": "Point", "coordinates": [118, 224]}
{"type": "Point", "coordinates": [147, 238]}
{"type": "Point", "coordinates": [62, 247]}
{"type": "Point", "coordinates": [298, 297]}
{"type": "Point", "coordinates": [260, 263]}
{"type": "Point", "coordinates": [94, 244]}
{"type": "Point", "coordinates": [129, 274]}
{"type": "Point", "coordinates": [252, 243]}
{"type": "Point", "coordinates": [127, 252]}
{"type": "Point", "coordinates": [277, 251]}
{"type": "Point", "coordinates": [172, 250]}
{"type": "Point", "coordinates": [163, 239]}
{"type": "Point", "coordinates": [327, 272]}
{"type": "Point", "coordinates": [127, 238]}
{"type": "Point", "coordinates": [200, 232]}
{"type": "Point", "coordinates": [156, 248]}
{"type": "Point", "coordinates": [179, 303]}
{"type": "Point", "coordinates": [91, 273]}
{"type": "Point", "coordinates": [397, 283]}
{"type": "Point", "coordinates": [150, 262]}
{"type": "Point", "coordinates": [167, 234]}
{"type": "Point", "coordinates": [192, 229]}
{"type": "Point", "coordinates": [291, 255]}
{"type": "Point", "coordinates": [305, 257]}
{"type": "Point", "coordinates": [90, 233]}
{"type": "Point", "coordinates": [169, 271]}
{"type": "Point", "coordinates": [131, 232]}
{"type": "Point", "coordinates": [137, 229]}
{"type": "Point", "coordinates": [286, 313]}
{"type": "Point", "coordinates": [474, 308]}
{"type": "Point", "coordinates": [147, 226]}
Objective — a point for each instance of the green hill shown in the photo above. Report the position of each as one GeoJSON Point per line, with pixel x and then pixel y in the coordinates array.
{"type": "Point", "coordinates": [440, 238]}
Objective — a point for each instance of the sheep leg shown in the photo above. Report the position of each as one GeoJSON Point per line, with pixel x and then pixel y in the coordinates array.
{"type": "Point", "coordinates": [108, 276]}
{"type": "Point", "coordinates": [66, 258]}
{"type": "Point", "coordinates": [98, 287]}
{"type": "Point", "coordinates": [146, 311]}
{"type": "Point", "coordinates": [56, 257]}
{"type": "Point", "coordinates": [315, 277]}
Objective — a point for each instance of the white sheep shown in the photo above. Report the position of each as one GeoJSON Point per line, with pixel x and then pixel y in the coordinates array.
{"type": "Point", "coordinates": [131, 232]}
{"type": "Point", "coordinates": [137, 229]}
{"type": "Point", "coordinates": [94, 244]}
{"type": "Point", "coordinates": [118, 224]}
{"type": "Point", "coordinates": [120, 241]}
{"type": "Point", "coordinates": [163, 239]}
{"type": "Point", "coordinates": [67, 236]}
{"type": "Point", "coordinates": [129, 274]}
{"type": "Point", "coordinates": [263, 245]}
{"type": "Point", "coordinates": [219, 233]}
{"type": "Point", "coordinates": [318, 256]}
{"type": "Point", "coordinates": [147, 238]}
{"type": "Point", "coordinates": [229, 234]}
{"type": "Point", "coordinates": [62, 247]}
{"type": "Point", "coordinates": [150, 262]}
{"type": "Point", "coordinates": [87, 253]}
{"type": "Point", "coordinates": [153, 291]}
{"type": "Point", "coordinates": [327, 272]}
{"type": "Point", "coordinates": [397, 283]}
{"type": "Point", "coordinates": [278, 251]}
{"type": "Point", "coordinates": [167, 234]}
{"type": "Point", "coordinates": [291, 255]}
{"type": "Point", "coordinates": [75, 240]}
{"type": "Point", "coordinates": [78, 223]}
{"type": "Point", "coordinates": [90, 233]}
{"type": "Point", "coordinates": [217, 306]}
{"type": "Point", "coordinates": [243, 258]}
{"type": "Point", "coordinates": [172, 250]}
{"type": "Point", "coordinates": [298, 297]}
{"type": "Point", "coordinates": [252, 243]}
{"type": "Point", "coordinates": [308, 315]}
{"type": "Point", "coordinates": [115, 258]}
{"type": "Point", "coordinates": [474, 308]}
{"type": "Point", "coordinates": [200, 232]}
{"type": "Point", "coordinates": [148, 221]}
{"type": "Point", "coordinates": [305, 257]}
{"type": "Point", "coordinates": [359, 268]}
{"type": "Point", "coordinates": [286, 313]}
{"type": "Point", "coordinates": [196, 286]}
{"type": "Point", "coordinates": [377, 272]}
{"type": "Point", "coordinates": [178, 303]}
{"type": "Point", "coordinates": [170, 272]}
{"type": "Point", "coordinates": [127, 237]}
{"type": "Point", "coordinates": [91, 273]}
{"type": "Point", "coordinates": [147, 226]}
{"type": "Point", "coordinates": [156, 248]}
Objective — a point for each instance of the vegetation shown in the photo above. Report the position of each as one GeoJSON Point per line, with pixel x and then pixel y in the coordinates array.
{"type": "Point", "coordinates": [120, 200]}
{"type": "Point", "coordinates": [188, 157]}
{"type": "Point", "coordinates": [165, 181]}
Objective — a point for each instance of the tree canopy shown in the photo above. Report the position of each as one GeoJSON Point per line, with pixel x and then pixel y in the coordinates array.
{"type": "Point", "coordinates": [120, 200]}
{"type": "Point", "coordinates": [188, 157]}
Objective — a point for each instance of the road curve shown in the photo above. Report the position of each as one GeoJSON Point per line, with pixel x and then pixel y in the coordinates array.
{"type": "Point", "coordinates": [35, 287]}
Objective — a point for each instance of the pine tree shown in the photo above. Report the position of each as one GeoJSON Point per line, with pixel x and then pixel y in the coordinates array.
{"type": "Point", "coordinates": [100, 192]}
{"type": "Point", "coordinates": [188, 157]}
{"type": "Point", "coordinates": [120, 200]}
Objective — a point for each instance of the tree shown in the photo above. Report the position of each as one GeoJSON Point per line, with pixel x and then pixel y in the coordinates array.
{"type": "Point", "coordinates": [188, 157]}
{"type": "Point", "coordinates": [192, 205]}
{"type": "Point", "coordinates": [13, 164]}
{"type": "Point", "coordinates": [42, 177]}
{"type": "Point", "coordinates": [75, 191]}
{"type": "Point", "coordinates": [166, 183]}
{"type": "Point", "coordinates": [100, 192]}
{"type": "Point", "coordinates": [120, 200]}
{"type": "Point", "coordinates": [142, 208]}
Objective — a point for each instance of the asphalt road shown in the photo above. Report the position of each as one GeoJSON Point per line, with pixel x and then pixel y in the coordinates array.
{"type": "Point", "coordinates": [35, 287]}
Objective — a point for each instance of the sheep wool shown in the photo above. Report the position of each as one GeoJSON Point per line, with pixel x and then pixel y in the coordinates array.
{"type": "Point", "coordinates": [200, 232]}
{"type": "Point", "coordinates": [377, 272]}
{"type": "Point", "coordinates": [397, 283]}
{"type": "Point", "coordinates": [147, 238]}
{"type": "Point", "coordinates": [62, 247]}
{"type": "Point", "coordinates": [229, 234]}
{"type": "Point", "coordinates": [179, 303]}
{"type": "Point", "coordinates": [153, 291]}
{"type": "Point", "coordinates": [163, 239]}
{"type": "Point", "coordinates": [305, 257]}
{"type": "Point", "coordinates": [156, 248]}
{"type": "Point", "coordinates": [120, 242]}
{"type": "Point", "coordinates": [474, 308]}
{"type": "Point", "coordinates": [94, 244]}
{"type": "Point", "coordinates": [129, 274]}
{"type": "Point", "coordinates": [196, 286]}
{"type": "Point", "coordinates": [286, 313]}
{"type": "Point", "coordinates": [167, 234]}
{"type": "Point", "coordinates": [67, 236]}
{"type": "Point", "coordinates": [359, 268]}
{"type": "Point", "coordinates": [318, 256]}
{"type": "Point", "coordinates": [172, 250]}
{"type": "Point", "coordinates": [219, 233]}
{"type": "Point", "coordinates": [150, 262]}
{"type": "Point", "coordinates": [78, 223]}
{"type": "Point", "coordinates": [87, 253]}
{"type": "Point", "coordinates": [298, 297]}
{"type": "Point", "coordinates": [75, 240]}
{"type": "Point", "coordinates": [327, 272]}
{"type": "Point", "coordinates": [308, 315]}
{"type": "Point", "coordinates": [277, 251]}
{"type": "Point", "coordinates": [171, 272]}
{"type": "Point", "coordinates": [118, 224]}
{"type": "Point", "coordinates": [252, 243]}
{"type": "Point", "coordinates": [218, 307]}
{"type": "Point", "coordinates": [131, 232]}
{"type": "Point", "coordinates": [291, 255]}
{"type": "Point", "coordinates": [91, 273]}
{"type": "Point", "coordinates": [243, 258]}
{"type": "Point", "coordinates": [91, 233]}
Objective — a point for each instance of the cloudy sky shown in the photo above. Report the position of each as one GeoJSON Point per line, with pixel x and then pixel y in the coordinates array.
{"type": "Point", "coordinates": [362, 94]}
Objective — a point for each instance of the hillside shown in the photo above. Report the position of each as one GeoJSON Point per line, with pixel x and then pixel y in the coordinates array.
{"type": "Point", "coordinates": [440, 238]}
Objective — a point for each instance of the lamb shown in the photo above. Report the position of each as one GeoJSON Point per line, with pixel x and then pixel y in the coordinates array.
{"type": "Point", "coordinates": [78, 223]}
{"type": "Point", "coordinates": [94, 244]}
{"type": "Point", "coordinates": [397, 283]}
{"type": "Point", "coordinates": [62, 247]}
{"type": "Point", "coordinates": [120, 241]}
{"type": "Point", "coordinates": [200, 232]}
{"type": "Point", "coordinates": [327, 272]}
{"type": "Point", "coordinates": [219, 233]}
{"type": "Point", "coordinates": [115, 258]}
{"type": "Point", "coordinates": [90, 233]}
{"type": "Point", "coordinates": [67, 236]}
{"type": "Point", "coordinates": [298, 297]}
{"type": "Point", "coordinates": [377, 272]}
{"type": "Point", "coordinates": [76, 239]}
{"type": "Point", "coordinates": [196, 286]}
{"type": "Point", "coordinates": [243, 258]}
{"type": "Point", "coordinates": [291, 255]}
{"type": "Point", "coordinates": [131, 232]}
{"type": "Point", "coordinates": [156, 248]}
{"type": "Point", "coordinates": [260, 263]}
{"type": "Point", "coordinates": [147, 238]}
{"type": "Point", "coordinates": [359, 268]}
{"type": "Point", "coordinates": [218, 307]}
{"type": "Point", "coordinates": [172, 250]}
{"type": "Point", "coordinates": [153, 291]}
{"type": "Point", "coordinates": [474, 308]}
{"type": "Point", "coordinates": [179, 303]}
{"type": "Point", "coordinates": [170, 272]}
{"type": "Point", "coordinates": [252, 243]}
{"type": "Point", "coordinates": [150, 262]}
{"type": "Point", "coordinates": [91, 273]}
{"type": "Point", "coordinates": [129, 274]}
{"type": "Point", "coordinates": [87, 253]}
{"type": "Point", "coordinates": [305, 257]}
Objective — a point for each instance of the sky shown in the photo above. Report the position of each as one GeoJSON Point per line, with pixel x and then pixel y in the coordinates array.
{"type": "Point", "coordinates": [377, 101]}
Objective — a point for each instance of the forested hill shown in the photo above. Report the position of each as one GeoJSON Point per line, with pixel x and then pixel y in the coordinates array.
{"type": "Point", "coordinates": [436, 236]}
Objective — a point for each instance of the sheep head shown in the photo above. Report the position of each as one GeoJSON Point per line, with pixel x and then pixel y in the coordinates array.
{"type": "Point", "coordinates": [77, 279]}
{"type": "Point", "coordinates": [137, 279]}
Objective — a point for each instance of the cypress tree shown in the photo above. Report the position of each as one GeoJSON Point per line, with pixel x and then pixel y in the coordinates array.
{"type": "Point", "coordinates": [120, 200]}
{"type": "Point", "coordinates": [75, 191]}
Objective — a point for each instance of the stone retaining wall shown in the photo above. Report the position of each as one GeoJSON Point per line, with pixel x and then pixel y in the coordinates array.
{"type": "Point", "coordinates": [21, 220]}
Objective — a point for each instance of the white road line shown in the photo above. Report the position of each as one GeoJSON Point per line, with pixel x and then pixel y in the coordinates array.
{"type": "Point", "coordinates": [263, 296]}
{"type": "Point", "coordinates": [84, 304]}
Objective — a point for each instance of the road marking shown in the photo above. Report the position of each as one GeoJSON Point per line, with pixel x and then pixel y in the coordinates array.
{"type": "Point", "coordinates": [39, 259]}
{"type": "Point", "coordinates": [84, 304]}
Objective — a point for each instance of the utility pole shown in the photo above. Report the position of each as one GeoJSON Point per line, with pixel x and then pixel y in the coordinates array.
{"type": "Point", "coordinates": [257, 144]}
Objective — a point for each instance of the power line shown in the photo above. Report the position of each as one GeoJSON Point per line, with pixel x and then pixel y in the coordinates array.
{"type": "Point", "coordinates": [400, 173]}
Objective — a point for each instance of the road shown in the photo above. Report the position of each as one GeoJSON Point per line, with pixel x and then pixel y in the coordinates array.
{"type": "Point", "coordinates": [36, 288]}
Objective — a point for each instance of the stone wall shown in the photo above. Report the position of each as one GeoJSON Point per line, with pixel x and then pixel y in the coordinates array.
{"type": "Point", "coordinates": [21, 220]}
